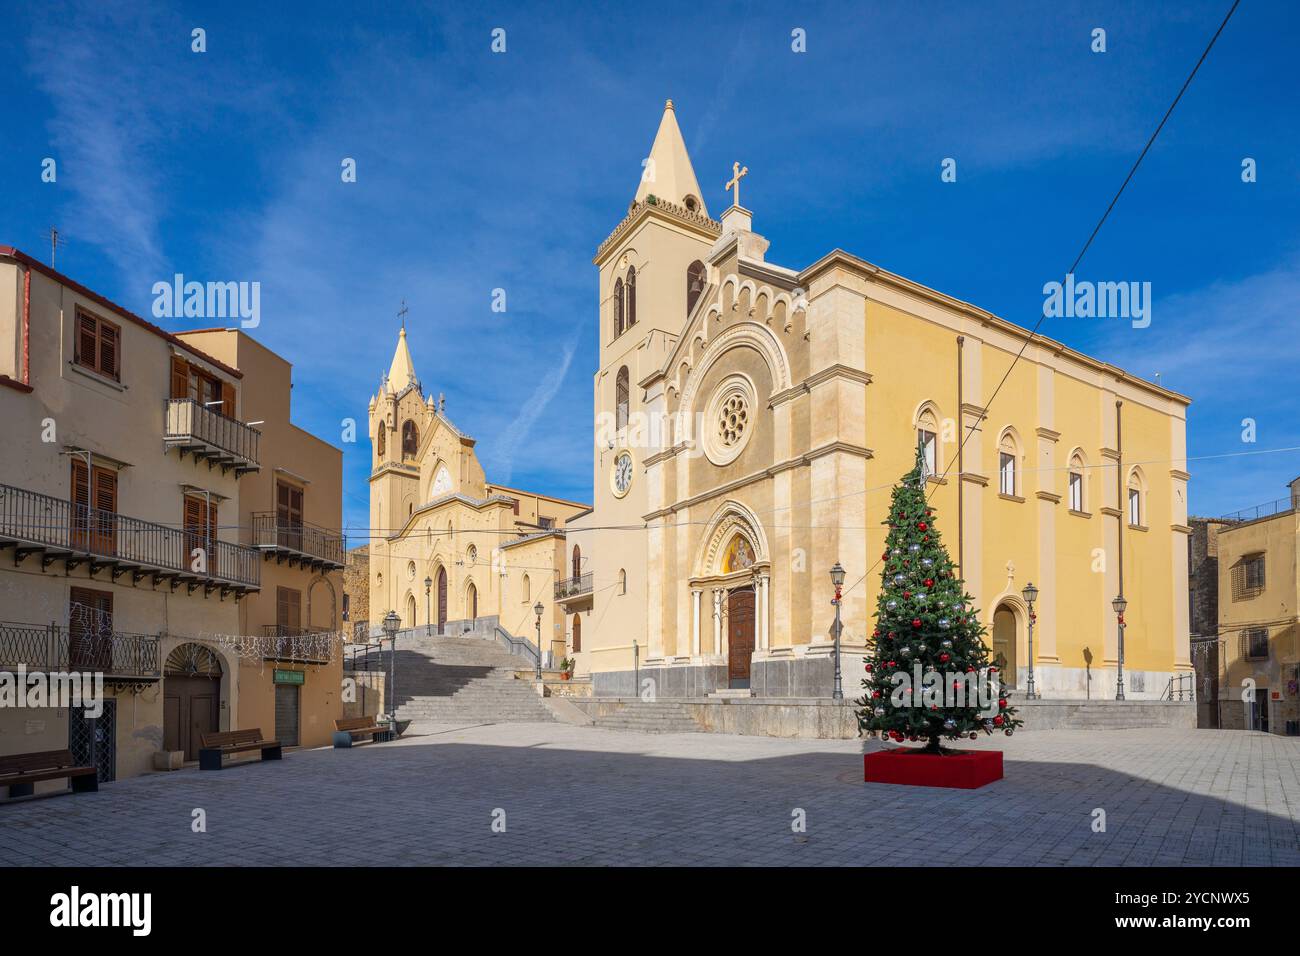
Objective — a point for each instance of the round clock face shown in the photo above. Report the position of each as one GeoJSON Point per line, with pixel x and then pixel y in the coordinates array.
{"type": "Point", "coordinates": [622, 475]}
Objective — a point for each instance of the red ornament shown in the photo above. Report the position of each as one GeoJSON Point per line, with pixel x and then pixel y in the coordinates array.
{"type": "Point", "coordinates": [920, 526]}
{"type": "Point", "coordinates": [1002, 702]}
{"type": "Point", "coordinates": [944, 658]}
{"type": "Point", "coordinates": [875, 694]}
{"type": "Point", "coordinates": [916, 622]}
{"type": "Point", "coordinates": [997, 721]}
{"type": "Point", "coordinates": [868, 668]}
{"type": "Point", "coordinates": [907, 594]}
{"type": "Point", "coordinates": [929, 582]}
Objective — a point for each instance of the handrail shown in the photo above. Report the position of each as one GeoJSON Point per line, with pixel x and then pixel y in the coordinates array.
{"type": "Point", "coordinates": [1180, 678]}
{"type": "Point", "coordinates": [302, 538]}
{"type": "Point", "coordinates": [44, 520]}
{"type": "Point", "coordinates": [570, 587]}
{"type": "Point", "coordinates": [520, 646]}
{"type": "Point", "coordinates": [186, 418]}
{"type": "Point", "coordinates": [52, 648]}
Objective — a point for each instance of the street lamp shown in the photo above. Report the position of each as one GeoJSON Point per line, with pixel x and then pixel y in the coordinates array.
{"type": "Point", "coordinates": [538, 609]}
{"type": "Point", "coordinates": [391, 625]}
{"type": "Point", "coordinates": [1120, 605]}
{"type": "Point", "coordinates": [428, 608]}
{"type": "Point", "coordinates": [837, 579]}
{"type": "Point", "coordinates": [1030, 594]}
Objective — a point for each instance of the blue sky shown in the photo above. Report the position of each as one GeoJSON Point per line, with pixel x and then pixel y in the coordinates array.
{"type": "Point", "coordinates": [478, 170]}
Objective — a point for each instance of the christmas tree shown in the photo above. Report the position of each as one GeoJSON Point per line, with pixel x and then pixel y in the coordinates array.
{"type": "Point", "coordinates": [928, 676]}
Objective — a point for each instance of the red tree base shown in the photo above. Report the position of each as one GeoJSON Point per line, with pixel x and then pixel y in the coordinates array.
{"type": "Point", "coordinates": [962, 769]}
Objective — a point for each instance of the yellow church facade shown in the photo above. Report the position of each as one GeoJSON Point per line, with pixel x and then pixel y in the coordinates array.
{"type": "Point", "coordinates": [451, 553]}
{"type": "Point", "coordinates": [751, 420]}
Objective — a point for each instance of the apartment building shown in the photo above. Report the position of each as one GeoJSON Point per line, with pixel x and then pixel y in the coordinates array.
{"type": "Point", "coordinates": [125, 549]}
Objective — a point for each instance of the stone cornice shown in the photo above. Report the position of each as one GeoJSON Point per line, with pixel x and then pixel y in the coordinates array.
{"type": "Point", "coordinates": [1048, 434]}
{"type": "Point", "coordinates": [669, 210]}
{"type": "Point", "coordinates": [1048, 496]}
{"type": "Point", "coordinates": [1111, 512]}
{"type": "Point", "coordinates": [1179, 474]}
{"type": "Point", "coordinates": [1110, 453]}
{"type": "Point", "coordinates": [975, 478]}
{"type": "Point", "coordinates": [817, 378]}
{"type": "Point", "coordinates": [1182, 528]}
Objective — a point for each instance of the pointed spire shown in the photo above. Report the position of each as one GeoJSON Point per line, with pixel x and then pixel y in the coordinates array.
{"type": "Point", "coordinates": [668, 173]}
{"type": "Point", "coordinates": [402, 372]}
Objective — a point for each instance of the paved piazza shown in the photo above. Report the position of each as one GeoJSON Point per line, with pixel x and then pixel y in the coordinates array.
{"type": "Point", "coordinates": [580, 795]}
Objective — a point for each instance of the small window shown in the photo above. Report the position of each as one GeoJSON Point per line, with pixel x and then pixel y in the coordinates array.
{"type": "Point", "coordinates": [1255, 573]}
{"type": "Point", "coordinates": [528, 589]}
{"type": "Point", "coordinates": [631, 297]}
{"type": "Point", "coordinates": [694, 284]}
{"type": "Point", "coordinates": [1076, 491]}
{"type": "Point", "coordinates": [1134, 508]}
{"type": "Point", "coordinates": [621, 398]}
{"type": "Point", "coordinates": [1254, 643]}
{"type": "Point", "coordinates": [622, 581]}
{"type": "Point", "coordinates": [1007, 473]}
{"type": "Point", "coordinates": [929, 442]}
{"type": "Point", "coordinates": [618, 307]}
{"type": "Point", "coordinates": [98, 345]}
{"type": "Point", "coordinates": [379, 440]}
{"type": "Point", "coordinates": [410, 439]}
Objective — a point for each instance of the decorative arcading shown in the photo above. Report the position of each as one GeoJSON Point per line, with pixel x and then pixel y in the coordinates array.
{"type": "Point", "coordinates": [680, 212]}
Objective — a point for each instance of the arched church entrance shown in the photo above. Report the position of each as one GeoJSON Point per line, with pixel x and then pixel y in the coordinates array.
{"type": "Point", "coordinates": [740, 635]}
{"type": "Point", "coordinates": [442, 600]}
{"type": "Point", "coordinates": [191, 697]}
{"type": "Point", "coordinates": [1004, 644]}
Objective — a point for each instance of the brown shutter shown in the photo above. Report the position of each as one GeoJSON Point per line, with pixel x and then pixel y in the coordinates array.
{"type": "Point", "coordinates": [108, 350]}
{"type": "Point", "coordinates": [227, 399]}
{"type": "Point", "coordinates": [80, 483]}
{"type": "Point", "coordinates": [105, 489]}
{"type": "Point", "coordinates": [180, 378]}
{"type": "Point", "coordinates": [87, 341]}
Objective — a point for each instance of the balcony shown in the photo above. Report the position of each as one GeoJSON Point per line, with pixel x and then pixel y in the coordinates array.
{"type": "Point", "coordinates": [303, 544]}
{"type": "Point", "coordinates": [210, 436]}
{"type": "Point", "coordinates": [122, 658]}
{"type": "Point", "coordinates": [58, 530]}
{"type": "Point", "coordinates": [572, 589]}
{"type": "Point", "coordinates": [304, 645]}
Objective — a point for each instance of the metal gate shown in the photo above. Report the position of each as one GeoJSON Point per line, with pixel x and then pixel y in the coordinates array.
{"type": "Point", "coordinates": [286, 714]}
{"type": "Point", "coordinates": [93, 742]}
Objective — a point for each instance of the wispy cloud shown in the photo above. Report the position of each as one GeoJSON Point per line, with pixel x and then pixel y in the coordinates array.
{"type": "Point", "coordinates": [523, 424]}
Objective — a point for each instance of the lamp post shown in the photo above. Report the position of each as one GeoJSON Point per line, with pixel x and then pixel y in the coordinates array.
{"type": "Point", "coordinates": [428, 607]}
{"type": "Point", "coordinates": [1030, 594]}
{"type": "Point", "coordinates": [837, 579]}
{"type": "Point", "coordinates": [538, 609]}
{"type": "Point", "coordinates": [1120, 605]}
{"type": "Point", "coordinates": [391, 625]}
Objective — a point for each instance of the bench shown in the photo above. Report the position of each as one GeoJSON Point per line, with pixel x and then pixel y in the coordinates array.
{"type": "Point", "coordinates": [19, 772]}
{"type": "Point", "coordinates": [348, 729]}
{"type": "Point", "coordinates": [217, 745]}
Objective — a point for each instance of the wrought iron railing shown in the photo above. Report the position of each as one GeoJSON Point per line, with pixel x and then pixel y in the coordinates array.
{"type": "Point", "coordinates": [285, 643]}
{"type": "Point", "coordinates": [29, 517]}
{"type": "Point", "coordinates": [572, 587]}
{"type": "Point", "coordinates": [306, 539]}
{"type": "Point", "coordinates": [187, 419]}
{"type": "Point", "coordinates": [1265, 510]}
{"type": "Point", "coordinates": [96, 649]}
{"type": "Point", "coordinates": [1180, 684]}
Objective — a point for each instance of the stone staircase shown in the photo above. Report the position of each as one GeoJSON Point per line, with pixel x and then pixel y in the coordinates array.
{"type": "Point", "coordinates": [461, 680]}
{"type": "Point", "coordinates": [640, 716]}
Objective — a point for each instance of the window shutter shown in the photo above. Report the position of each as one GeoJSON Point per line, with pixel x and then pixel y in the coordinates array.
{"type": "Point", "coordinates": [80, 483]}
{"type": "Point", "coordinates": [108, 350]}
{"type": "Point", "coordinates": [180, 378]}
{"type": "Point", "coordinates": [105, 489]}
{"type": "Point", "coordinates": [193, 515]}
{"type": "Point", "coordinates": [87, 341]}
{"type": "Point", "coordinates": [227, 399]}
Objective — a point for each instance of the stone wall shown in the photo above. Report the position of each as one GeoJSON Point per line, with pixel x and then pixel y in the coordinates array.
{"type": "Point", "coordinates": [356, 585]}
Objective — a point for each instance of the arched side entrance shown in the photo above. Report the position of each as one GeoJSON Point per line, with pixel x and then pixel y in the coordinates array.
{"type": "Point", "coordinates": [442, 600]}
{"type": "Point", "coordinates": [410, 611]}
{"type": "Point", "coordinates": [731, 592]}
{"type": "Point", "coordinates": [577, 633]}
{"type": "Point", "coordinates": [191, 697]}
{"type": "Point", "coordinates": [471, 602]}
{"type": "Point", "coordinates": [1005, 641]}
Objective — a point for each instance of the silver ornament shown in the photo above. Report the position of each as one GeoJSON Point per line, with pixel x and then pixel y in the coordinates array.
{"type": "Point", "coordinates": [944, 622]}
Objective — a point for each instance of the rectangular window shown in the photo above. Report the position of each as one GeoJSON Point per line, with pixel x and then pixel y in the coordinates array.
{"type": "Point", "coordinates": [1007, 473]}
{"type": "Point", "coordinates": [90, 630]}
{"type": "Point", "coordinates": [288, 612]}
{"type": "Point", "coordinates": [1255, 643]}
{"type": "Point", "coordinates": [1254, 573]}
{"type": "Point", "coordinates": [1076, 491]}
{"type": "Point", "coordinates": [347, 605]}
{"type": "Point", "coordinates": [288, 515]}
{"type": "Point", "coordinates": [929, 451]}
{"type": "Point", "coordinates": [94, 508]}
{"type": "Point", "coordinates": [98, 345]}
{"type": "Point", "coordinates": [190, 381]}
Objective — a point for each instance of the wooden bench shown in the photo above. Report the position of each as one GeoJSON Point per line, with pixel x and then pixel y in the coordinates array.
{"type": "Point", "coordinates": [20, 772]}
{"type": "Point", "coordinates": [348, 729]}
{"type": "Point", "coordinates": [217, 745]}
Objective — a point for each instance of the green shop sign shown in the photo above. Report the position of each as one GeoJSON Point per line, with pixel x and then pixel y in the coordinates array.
{"type": "Point", "coordinates": [289, 677]}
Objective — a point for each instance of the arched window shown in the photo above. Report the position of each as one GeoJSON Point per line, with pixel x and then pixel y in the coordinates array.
{"type": "Point", "coordinates": [379, 440]}
{"type": "Point", "coordinates": [577, 561]}
{"type": "Point", "coordinates": [631, 296]}
{"type": "Point", "coordinates": [927, 438]}
{"type": "Point", "coordinates": [694, 284]}
{"type": "Point", "coordinates": [410, 439]}
{"type": "Point", "coordinates": [1137, 498]}
{"type": "Point", "coordinates": [1075, 486]}
{"type": "Point", "coordinates": [618, 307]}
{"type": "Point", "coordinates": [471, 555]}
{"type": "Point", "coordinates": [577, 633]}
{"type": "Point", "coordinates": [471, 602]}
{"type": "Point", "coordinates": [621, 398]}
{"type": "Point", "coordinates": [622, 581]}
{"type": "Point", "coordinates": [528, 589]}
{"type": "Point", "coordinates": [1009, 464]}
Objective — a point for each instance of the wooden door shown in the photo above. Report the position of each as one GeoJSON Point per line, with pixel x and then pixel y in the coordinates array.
{"type": "Point", "coordinates": [190, 710]}
{"type": "Point", "coordinates": [94, 509]}
{"type": "Point", "coordinates": [740, 636]}
{"type": "Point", "coordinates": [472, 603]}
{"type": "Point", "coordinates": [442, 599]}
{"type": "Point", "coordinates": [288, 515]}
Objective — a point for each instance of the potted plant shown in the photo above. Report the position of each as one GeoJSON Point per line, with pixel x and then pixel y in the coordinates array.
{"type": "Point", "coordinates": [566, 668]}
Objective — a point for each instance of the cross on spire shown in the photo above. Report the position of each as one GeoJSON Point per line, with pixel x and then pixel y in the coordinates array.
{"type": "Point", "coordinates": [737, 173]}
{"type": "Point", "coordinates": [401, 314]}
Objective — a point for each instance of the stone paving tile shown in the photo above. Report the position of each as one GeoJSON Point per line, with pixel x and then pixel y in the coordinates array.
{"type": "Point", "coordinates": [578, 796]}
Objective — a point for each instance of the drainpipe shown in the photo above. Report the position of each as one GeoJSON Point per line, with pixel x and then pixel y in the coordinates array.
{"type": "Point", "coordinates": [27, 324]}
{"type": "Point", "coordinates": [961, 488]}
